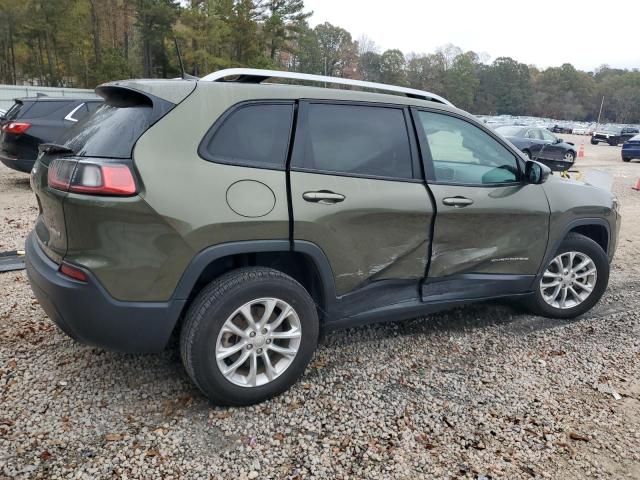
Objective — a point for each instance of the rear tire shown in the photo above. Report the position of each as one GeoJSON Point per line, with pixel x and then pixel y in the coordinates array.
{"type": "Point", "coordinates": [241, 297]}
{"type": "Point", "coordinates": [613, 143]}
{"type": "Point", "coordinates": [626, 159]}
{"type": "Point", "coordinates": [593, 141]}
{"type": "Point", "coordinates": [571, 305]}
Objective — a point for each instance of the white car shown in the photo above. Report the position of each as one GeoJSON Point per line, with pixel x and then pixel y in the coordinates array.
{"type": "Point", "coordinates": [580, 131]}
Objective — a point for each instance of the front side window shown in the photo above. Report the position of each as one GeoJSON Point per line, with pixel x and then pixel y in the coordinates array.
{"type": "Point", "coordinates": [464, 154]}
{"type": "Point", "coordinates": [255, 135]}
{"type": "Point", "coordinates": [356, 140]}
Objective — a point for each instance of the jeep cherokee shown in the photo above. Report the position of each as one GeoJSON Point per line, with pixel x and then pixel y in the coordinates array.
{"type": "Point", "coordinates": [248, 217]}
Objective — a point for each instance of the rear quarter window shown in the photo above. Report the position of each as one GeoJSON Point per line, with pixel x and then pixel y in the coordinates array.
{"type": "Point", "coordinates": [253, 135]}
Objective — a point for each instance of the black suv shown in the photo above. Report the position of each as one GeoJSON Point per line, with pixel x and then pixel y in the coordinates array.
{"type": "Point", "coordinates": [35, 120]}
{"type": "Point", "coordinates": [613, 135]}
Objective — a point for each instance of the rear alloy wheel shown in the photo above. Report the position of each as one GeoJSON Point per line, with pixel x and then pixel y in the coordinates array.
{"type": "Point", "coordinates": [248, 336]}
{"type": "Point", "coordinates": [573, 281]}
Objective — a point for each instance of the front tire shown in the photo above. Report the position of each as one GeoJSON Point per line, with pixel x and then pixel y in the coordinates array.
{"type": "Point", "coordinates": [248, 336]}
{"type": "Point", "coordinates": [573, 281]}
{"type": "Point", "coordinates": [624, 159]}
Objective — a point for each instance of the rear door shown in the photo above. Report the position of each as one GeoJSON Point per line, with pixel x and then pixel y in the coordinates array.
{"type": "Point", "coordinates": [357, 192]}
{"type": "Point", "coordinates": [489, 221]}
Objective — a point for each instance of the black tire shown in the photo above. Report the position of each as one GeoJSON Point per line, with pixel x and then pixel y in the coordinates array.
{"type": "Point", "coordinates": [613, 143]}
{"type": "Point", "coordinates": [626, 159]}
{"type": "Point", "coordinates": [527, 153]}
{"type": "Point", "coordinates": [573, 156]}
{"type": "Point", "coordinates": [577, 243]}
{"type": "Point", "coordinates": [213, 306]}
{"type": "Point", "coordinates": [593, 141]}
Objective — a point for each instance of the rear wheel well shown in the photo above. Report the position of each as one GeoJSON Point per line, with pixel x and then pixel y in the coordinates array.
{"type": "Point", "coordinates": [295, 264]}
{"type": "Point", "coordinates": [597, 233]}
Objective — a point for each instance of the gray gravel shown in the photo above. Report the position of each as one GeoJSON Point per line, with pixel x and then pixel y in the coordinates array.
{"type": "Point", "coordinates": [485, 391]}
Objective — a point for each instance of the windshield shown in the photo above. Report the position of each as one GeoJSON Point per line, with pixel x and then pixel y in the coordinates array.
{"type": "Point", "coordinates": [610, 129]}
{"type": "Point", "coordinates": [509, 131]}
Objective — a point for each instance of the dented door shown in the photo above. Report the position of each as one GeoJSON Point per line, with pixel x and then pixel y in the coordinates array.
{"type": "Point", "coordinates": [379, 231]}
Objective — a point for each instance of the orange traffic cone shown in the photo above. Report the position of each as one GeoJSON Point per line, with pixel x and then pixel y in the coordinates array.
{"type": "Point", "coordinates": [637, 186]}
{"type": "Point", "coordinates": [581, 151]}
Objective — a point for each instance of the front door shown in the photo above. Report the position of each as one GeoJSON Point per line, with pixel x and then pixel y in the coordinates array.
{"type": "Point", "coordinates": [490, 224]}
{"type": "Point", "coordinates": [357, 192]}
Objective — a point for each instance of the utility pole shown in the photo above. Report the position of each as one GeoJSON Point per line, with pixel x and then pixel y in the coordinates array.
{"type": "Point", "coordinates": [599, 114]}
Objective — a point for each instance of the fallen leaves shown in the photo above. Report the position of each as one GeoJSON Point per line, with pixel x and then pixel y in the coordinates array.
{"type": "Point", "coordinates": [113, 437]}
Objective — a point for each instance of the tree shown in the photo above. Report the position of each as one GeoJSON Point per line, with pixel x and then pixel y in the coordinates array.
{"type": "Point", "coordinates": [337, 50]}
{"type": "Point", "coordinates": [154, 19]}
{"type": "Point", "coordinates": [461, 81]}
{"type": "Point", "coordinates": [285, 20]}
{"type": "Point", "coordinates": [392, 67]}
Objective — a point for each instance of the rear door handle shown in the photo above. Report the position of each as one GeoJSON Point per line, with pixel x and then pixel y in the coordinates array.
{"type": "Point", "coordinates": [457, 202]}
{"type": "Point", "coordinates": [323, 196]}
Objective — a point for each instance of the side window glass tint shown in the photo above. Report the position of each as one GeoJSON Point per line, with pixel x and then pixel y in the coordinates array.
{"type": "Point", "coordinates": [359, 140]}
{"type": "Point", "coordinates": [463, 153]}
{"type": "Point", "coordinates": [253, 135]}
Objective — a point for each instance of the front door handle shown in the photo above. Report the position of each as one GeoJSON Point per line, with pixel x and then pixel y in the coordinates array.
{"type": "Point", "coordinates": [457, 202]}
{"type": "Point", "coordinates": [323, 196]}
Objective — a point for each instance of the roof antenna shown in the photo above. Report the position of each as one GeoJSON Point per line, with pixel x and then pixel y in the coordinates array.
{"type": "Point", "coordinates": [185, 75]}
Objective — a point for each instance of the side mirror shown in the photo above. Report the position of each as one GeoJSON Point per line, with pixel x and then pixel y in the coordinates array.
{"type": "Point", "coordinates": [536, 173]}
{"type": "Point", "coordinates": [559, 140]}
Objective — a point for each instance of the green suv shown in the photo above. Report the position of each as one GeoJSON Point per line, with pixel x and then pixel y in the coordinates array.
{"type": "Point", "coordinates": [249, 216]}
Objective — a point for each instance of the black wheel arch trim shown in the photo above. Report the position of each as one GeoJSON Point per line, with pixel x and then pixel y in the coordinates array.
{"type": "Point", "coordinates": [552, 248]}
{"type": "Point", "coordinates": [205, 257]}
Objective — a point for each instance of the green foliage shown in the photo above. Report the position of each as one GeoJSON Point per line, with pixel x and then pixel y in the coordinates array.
{"type": "Point", "coordinates": [81, 43]}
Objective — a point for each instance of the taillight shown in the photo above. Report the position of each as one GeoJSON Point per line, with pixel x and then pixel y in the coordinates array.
{"type": "Point", "coordinates": [17, 128]}
{"type": "Point", "coordinates": [91, 178]}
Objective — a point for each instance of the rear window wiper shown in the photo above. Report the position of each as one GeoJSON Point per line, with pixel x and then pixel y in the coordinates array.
{"type": "Point", "coordinates": [54, 148]}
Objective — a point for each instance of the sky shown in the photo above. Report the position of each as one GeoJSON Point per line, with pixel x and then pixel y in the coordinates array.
{"type": "Point", "coordinates": [544, 33]}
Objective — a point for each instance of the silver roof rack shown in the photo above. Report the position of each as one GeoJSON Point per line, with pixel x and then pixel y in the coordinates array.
{"type": "Point", "coordinates": [252, 75]}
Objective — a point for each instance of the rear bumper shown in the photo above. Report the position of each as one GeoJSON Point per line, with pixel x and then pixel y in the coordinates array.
{"type": "Point", "coordinates": [88, 314]}
{"type": "Point", "coordinates": [19, 164]}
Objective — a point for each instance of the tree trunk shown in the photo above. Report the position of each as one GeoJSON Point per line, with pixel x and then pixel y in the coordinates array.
{"type": "Point", "coordinates": [95, 24]}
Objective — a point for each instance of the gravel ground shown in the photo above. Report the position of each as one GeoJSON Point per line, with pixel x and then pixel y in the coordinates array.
{"type": "Point", "coordinates": [485, 391]}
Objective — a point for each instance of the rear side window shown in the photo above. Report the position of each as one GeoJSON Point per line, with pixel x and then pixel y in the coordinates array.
{"type": "Point", "coordinates": [255, 135]}
{"type": "Point", "coordinates": [357, 140]}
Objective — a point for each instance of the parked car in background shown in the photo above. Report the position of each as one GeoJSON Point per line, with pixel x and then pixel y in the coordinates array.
{"type": "Point", "coordinates": [541, 145]}
{"type": "Point", "coordinates": [613, 135]}
{"type": "Point", "coordinates": [580, 130]}
{"type": "Point", "coordinates": [35, 120]}
{"type": "Point", "coordinates": [561, 128]}
{"type": "Point", "coordinates": [404, 205]}
{"type": "Point", "coordinates": [631, 149]}
{"type": "Point", "coordinates": [2, 113]}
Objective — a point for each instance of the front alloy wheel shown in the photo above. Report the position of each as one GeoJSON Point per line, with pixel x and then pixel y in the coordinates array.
{"type": "Point", "coordinates": [568, 280]}
{"type": "Point", "coordinates": [573, 281]}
